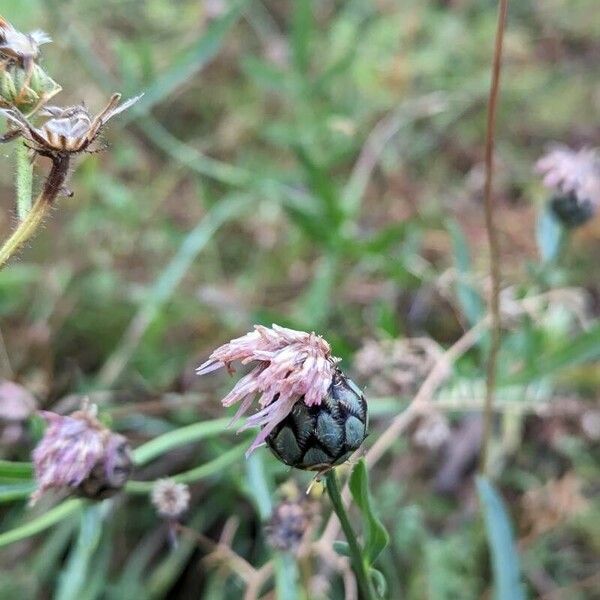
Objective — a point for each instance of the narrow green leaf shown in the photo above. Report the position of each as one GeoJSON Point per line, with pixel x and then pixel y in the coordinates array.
{"type": "Point", "coordinates": [208, 469]}
{"type": "Point", "coordinates": [505, 557]}
{"type": "Point", "coordinates": [9, 492]}
{"type": "Point", "coordinates": [377, 537]}
{"type": "Point", "coordinates": [342, 548]}
{"type": "Point", "coordinates": [173, 439]}
{"type": "Point", "coordinates": [573, 351]}
{"type": "Point", "coordinates": [53, 516]}
{"type": "Point", "coordinates": [379, 582]}
{"type": "Point", "coordinates": [75, 576]}
{"type": "Point", "coordinates": [194, 59]}
{"type": "Point", "coordinates": [16, 470]}
{"type": "Point", "coordinates": [550, 235]}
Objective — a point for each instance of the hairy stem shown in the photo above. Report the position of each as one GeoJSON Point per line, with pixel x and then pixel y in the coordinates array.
{"type": "Point", "coordinates": [28, 226]}
{"type": "Point", "coordinates": [359, 565]}
{"type": "Point", "coordinates": [492, 235]}
{"type": "Point", "coordinates": [24, 181]}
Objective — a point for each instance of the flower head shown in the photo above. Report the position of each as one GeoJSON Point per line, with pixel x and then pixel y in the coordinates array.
{"type": "Point", "coordinates": [22, 48]}
{"type": "Point", "coordinates": [67, 130]}
{"type": "Point", "coordinates": [289, 365]}
{"type": "Point", "coordinates": [289, 525]}
{"type": "Point", "coordinates": [80, 453]}
{"type": "Point", "coordinates": [574, 176]}
{"type": "Point", "coordinates": [170, 499]}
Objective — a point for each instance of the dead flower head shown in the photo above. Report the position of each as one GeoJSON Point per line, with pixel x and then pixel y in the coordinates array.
{"type": "Point", "coordinates": [311, 415]}
{"type": "Point", "coordinates": [171, 499]}
{"type": "Point", "coordinates": [574, 176]}
{"type": "Point", "coordinates": [67, 130]}
{"type": "Point", "coordinates": [22, 48]}
{"type": "Point", "coordinates": [290, 524]}
{"type": "Point", "coordinates": [79, 453]}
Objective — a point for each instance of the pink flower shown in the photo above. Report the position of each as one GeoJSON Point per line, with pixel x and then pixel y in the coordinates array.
{"type": "Point", "coordinates": [76, 449]}
{"type": "Point", "coordinates": [570, 171]}
{"type": "Point", "coordinates": [289, 366]}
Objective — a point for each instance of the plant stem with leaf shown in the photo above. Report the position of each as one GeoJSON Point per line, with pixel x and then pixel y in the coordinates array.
{"type": "Point", "coordinates": [359, 563]}
{"type": "Point", "coordinates": [28, 226]}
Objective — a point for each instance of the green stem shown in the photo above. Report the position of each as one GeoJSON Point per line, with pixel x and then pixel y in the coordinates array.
{"type": "Point", "coordinates": [28, 226]}
{"type": "Point", "coordinates": [24, 181]}
{"type": "Point", "coordinates": [359, 564]}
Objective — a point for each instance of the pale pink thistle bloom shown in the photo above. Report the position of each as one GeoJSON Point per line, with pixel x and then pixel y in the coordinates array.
{"type": "Point", "coordinates": [571, 171]}
{"type": "Point", "coordinates": [289, 366]}
{"type": "Point", "coordinates": [78, 448]}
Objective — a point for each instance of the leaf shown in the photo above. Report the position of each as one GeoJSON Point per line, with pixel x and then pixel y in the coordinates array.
{"type": "Point", "coordinates": [572, 352]}
{"type": "Point", "coordinates": [179, 437]}
{"type": "Point", "coordinates": [379, 582]}
{"type": "Point", "coordinates": [15, 470]}
{"type": "Point", "coordinates": [9, 492]}
{"type": "Point", "coordinates": [550, 235]}
{"type": "Point", "coordinates": [470, 300]}
{"type": "Point", "coordinates": [342, 548]}
{"type": "Point", "coordinates": [505, 557]}
{"type": "Point", "coordinates": [377, 537]}
{"type": "Point", "coordinates": [53, 516]}
{"type": "Point", "coordinates": [204, 50]}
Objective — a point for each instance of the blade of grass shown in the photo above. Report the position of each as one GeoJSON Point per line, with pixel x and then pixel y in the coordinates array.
{"type": "Point", "coordinates": [208, 469]}
{"type": "Point", "coordinates": [44, 521]}
{"type": "Point", "coordinates": [16, 470]}
{"type": "Point", "coordinates": [184, 435]}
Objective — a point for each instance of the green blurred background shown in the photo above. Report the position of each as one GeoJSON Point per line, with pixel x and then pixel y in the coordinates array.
{"type": "Point", "coordinates": [317, 165]}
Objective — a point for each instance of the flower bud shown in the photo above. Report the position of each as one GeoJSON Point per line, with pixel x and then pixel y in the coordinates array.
{"type": "Point", "coordinates": [79, 453]}
{"type": "Point", "coordinates": [323, 435]}
{"type": "Point", "coordinates": [25, 90]}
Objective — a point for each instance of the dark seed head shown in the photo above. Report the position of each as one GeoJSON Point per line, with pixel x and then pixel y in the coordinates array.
{"type": "Point", "coordinates": [289, 525]}
{"type": "Point", "coordinates": [320, 436]}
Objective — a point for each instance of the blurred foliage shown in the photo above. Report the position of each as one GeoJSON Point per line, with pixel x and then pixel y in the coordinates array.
{"type": "Point", "coordinates": [318, 165]}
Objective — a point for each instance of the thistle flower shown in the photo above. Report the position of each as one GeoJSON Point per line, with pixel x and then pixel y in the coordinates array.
{"type": "Point", "coordinates": [574, 177]}
{"type": "Point", "coordinates": [311, 415]}
{"type": "Point", "coordinates": [170, 499]}
{"type": "Point", "coordinates": [68, 130]}
{"type": "Point", "coordinates": [79, 453]}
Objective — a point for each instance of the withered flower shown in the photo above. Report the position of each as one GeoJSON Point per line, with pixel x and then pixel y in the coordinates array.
{"type": "Point", "coordinates": [171, 499]}
{"type": "Point", "coordinates": [23, 83]}
{"type": "Point", "coordinates": [68, 130]}
{"type": "Point", "coordinates": [312, 416]}
{"type": "Point", "coordinates": [289, 525]}
{"type": "Point", "coordinates": [77, 452]}
{"type": "Point", "coordinates": [22, 48]}
{"type": "Point", "coordinates": [574, 177]}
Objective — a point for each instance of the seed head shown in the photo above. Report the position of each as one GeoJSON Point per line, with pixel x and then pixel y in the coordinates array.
{"type": "Point", "coordinates": [67, 130]}
{"type": "Point", "coordinates": [289, 366]}
{"type": "Point", "coordinates": [170, 499]}
{"type": "Point", "coordinates": [79, 453]}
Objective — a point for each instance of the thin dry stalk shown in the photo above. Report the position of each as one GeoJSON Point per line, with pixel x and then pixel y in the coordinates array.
{"type": "Point", "coordinates": [492, 234]}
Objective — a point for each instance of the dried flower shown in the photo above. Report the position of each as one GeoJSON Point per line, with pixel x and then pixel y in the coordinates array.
{"type": "Point", "coordinates": [67, 130]}
{"type": "Point", "coordinates": [170, 499]}
{"type": "Point", "coordinates": [289, 525]}
{"type": "Point", "coordinates": [433, 432]}
{"type": "Point", "coordinates": [311, 415]}
{"type": "Point", "coordinates": [80, 453]}
{"type": "Point", "coordinates": [24, 85]}
{"type": "Point", "coordinates": [22, 48]}
{"type": "Point", "coordinates": [16, 405]}
{"type": "Point", "coordinates": [574, 176]}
